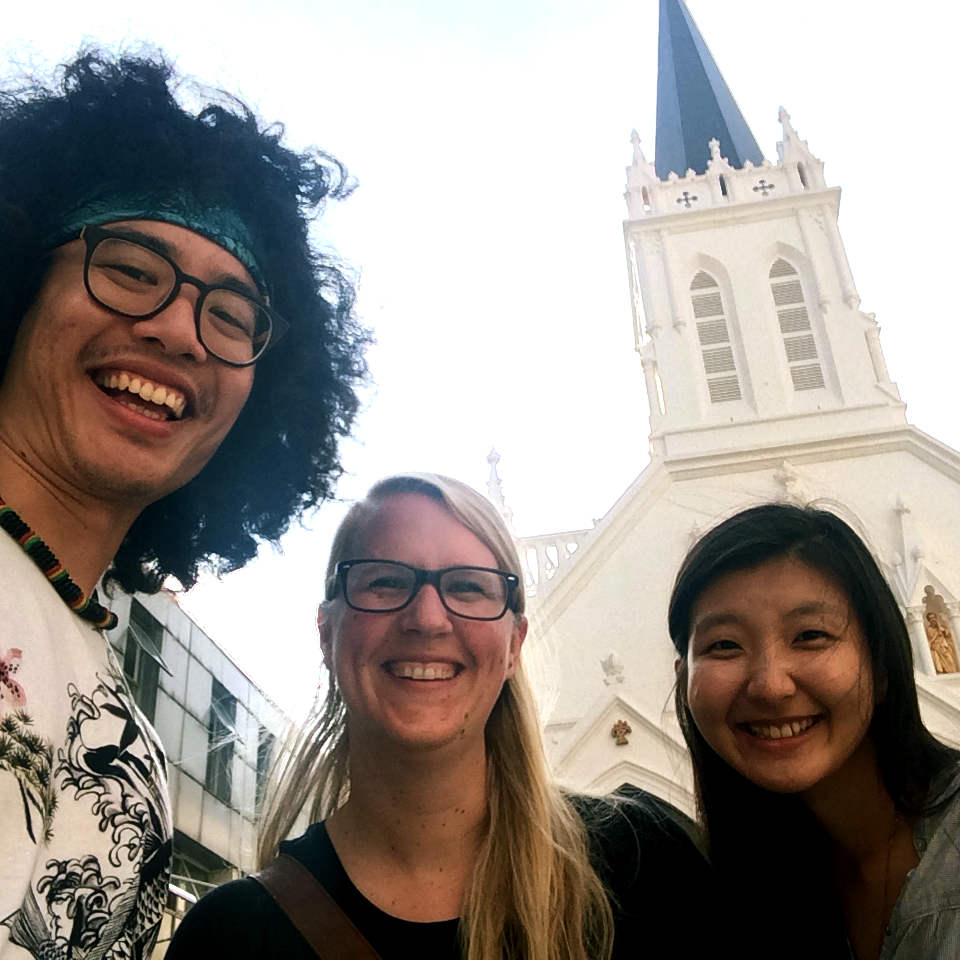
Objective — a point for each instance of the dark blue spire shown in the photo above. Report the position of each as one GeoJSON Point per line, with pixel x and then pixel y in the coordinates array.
{"type": "Point", "coordinates": [694, 104]}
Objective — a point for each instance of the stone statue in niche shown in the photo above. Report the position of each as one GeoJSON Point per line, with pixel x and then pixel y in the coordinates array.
{"type": "Point", "coordinates": [936, 622]}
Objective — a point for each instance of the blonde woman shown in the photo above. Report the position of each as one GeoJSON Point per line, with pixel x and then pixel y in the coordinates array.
{"type": "Point", "coordinates": [436, 828]}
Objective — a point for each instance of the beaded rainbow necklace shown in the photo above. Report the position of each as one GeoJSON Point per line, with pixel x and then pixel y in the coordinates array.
{"type": "Point", "coordinates": [82, 605]}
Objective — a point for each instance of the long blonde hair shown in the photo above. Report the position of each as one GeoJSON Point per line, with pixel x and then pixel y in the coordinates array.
{"type": "Point", "coordinates": [534, 894]}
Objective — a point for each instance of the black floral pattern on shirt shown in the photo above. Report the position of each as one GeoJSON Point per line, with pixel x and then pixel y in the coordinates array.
{"type": "Point", "coordinates": [82, 907]}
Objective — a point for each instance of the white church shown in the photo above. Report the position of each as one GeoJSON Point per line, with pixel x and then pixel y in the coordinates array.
{"type": "Point", "coordinates": [766, 382]}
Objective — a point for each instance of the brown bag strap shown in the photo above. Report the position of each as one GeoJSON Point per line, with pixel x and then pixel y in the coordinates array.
{"type": "Point", "coordinates": [304, 899]}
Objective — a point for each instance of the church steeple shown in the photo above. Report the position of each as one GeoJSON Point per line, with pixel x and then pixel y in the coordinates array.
{"type": "Point", "coordinates": [746, 313]}
{"type": "Point", "coordinates": [694, 104]}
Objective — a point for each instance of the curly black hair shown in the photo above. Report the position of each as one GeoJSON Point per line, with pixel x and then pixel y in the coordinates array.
{"type": "Point", "coordinates": [116, 121]}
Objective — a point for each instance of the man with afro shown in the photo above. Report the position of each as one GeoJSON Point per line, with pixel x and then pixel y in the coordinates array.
{"type": "Point", "coordinates": [177, 367]}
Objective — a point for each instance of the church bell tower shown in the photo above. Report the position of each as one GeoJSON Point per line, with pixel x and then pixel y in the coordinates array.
{"type": "Point", "coordinates": [745, 310]}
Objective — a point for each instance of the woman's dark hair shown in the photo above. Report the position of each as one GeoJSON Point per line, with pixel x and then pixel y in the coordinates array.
{"type": "Point", "coordinates": [754, 833]}
{"type": "Point", "coordinates": [115, 124]}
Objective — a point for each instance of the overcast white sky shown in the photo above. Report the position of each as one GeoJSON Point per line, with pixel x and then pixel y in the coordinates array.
{"type": "Point", "coordinates": [489, 141]}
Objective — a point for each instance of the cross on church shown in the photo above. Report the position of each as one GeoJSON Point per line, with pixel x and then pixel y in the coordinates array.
{"type": "Point", "coordinates": [688, 199]}
{"type": "Point", "coordinates": [764, 187]}
{"type": "Point", "coordinates": [620, 732]}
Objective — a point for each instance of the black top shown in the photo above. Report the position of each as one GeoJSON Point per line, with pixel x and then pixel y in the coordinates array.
{"type": "Point", "coordinates": [660, 884]}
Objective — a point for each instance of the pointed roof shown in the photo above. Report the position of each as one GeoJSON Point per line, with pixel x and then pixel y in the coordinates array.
{"type": "Point", "coordinates": [694, 104]}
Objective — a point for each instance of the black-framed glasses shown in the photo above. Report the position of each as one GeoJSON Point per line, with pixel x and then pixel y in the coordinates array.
{"type": "Point", "coordinates": [136, 281]}
{"type": "Point", "coordinates": [385, 586]}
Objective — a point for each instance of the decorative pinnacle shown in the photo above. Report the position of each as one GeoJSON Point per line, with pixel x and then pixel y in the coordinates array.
{"type": "Point", "coordinates": [495, 489]}
{"type": "Point", "coordinates": [639, 159]}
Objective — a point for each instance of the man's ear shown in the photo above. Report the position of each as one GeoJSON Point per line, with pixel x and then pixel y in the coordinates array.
{"type": "Point", "coordinates": [677, 664]}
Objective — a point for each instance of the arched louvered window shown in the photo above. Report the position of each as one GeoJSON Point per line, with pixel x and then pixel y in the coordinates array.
{"type": "Point", "coordinates": [718, 363]}
{"type": "Point", "coordinates": [798, 340]}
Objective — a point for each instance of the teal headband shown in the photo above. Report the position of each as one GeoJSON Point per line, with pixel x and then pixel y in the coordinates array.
{"type": "Point", "coordinates": [220, 224]}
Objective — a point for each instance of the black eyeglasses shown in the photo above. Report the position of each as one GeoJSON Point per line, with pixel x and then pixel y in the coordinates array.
{"type": "Point", "coordinates": [136, 281]}
{"type": "Point", "coordinates": [385, 586]}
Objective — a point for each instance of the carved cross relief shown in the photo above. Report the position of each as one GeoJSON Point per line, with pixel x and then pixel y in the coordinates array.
{"type": "Point", "coordinates": [620, 731]}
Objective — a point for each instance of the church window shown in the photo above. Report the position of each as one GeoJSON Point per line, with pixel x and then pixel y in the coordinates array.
{"type": "Point", "coordinates": [803, 176]}
{"type": "Point", "coordinates": [716, 348]}
{"type": "Point", "coordinates": [798, 339]}
{"type": "Point", "coordinates": [723, 185]}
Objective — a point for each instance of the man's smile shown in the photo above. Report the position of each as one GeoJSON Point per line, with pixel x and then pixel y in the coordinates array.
{"type": "Point", "coordinates": [155, 400]}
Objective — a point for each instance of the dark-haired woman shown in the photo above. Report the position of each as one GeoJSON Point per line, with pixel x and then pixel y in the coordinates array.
{"type": "Point", "coordinates": [832, 814]}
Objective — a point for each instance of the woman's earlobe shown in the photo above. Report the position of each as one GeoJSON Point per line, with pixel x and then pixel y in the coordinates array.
{"type": "Point", "coordinates": [323, 626]}
{"type": "Point", "coordinates": [516, 645]}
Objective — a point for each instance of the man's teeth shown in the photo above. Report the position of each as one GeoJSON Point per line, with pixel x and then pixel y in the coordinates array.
{"type": "Point", "coordinates": [143, 410]}
{"type": "Point", "coordinates": [771, 731]}
{"type": "Point", "coordinates": [422, 671]}
{"type": "Point", "coordinates": [155, 393]}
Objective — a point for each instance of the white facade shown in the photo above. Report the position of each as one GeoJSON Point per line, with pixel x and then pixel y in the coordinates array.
{"type": "Point", "coordinates": [766, 382]}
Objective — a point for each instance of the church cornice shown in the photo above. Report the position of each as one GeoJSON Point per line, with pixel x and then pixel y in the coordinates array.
{"type": "Point", "coordinates": [710, 217]}
{"type": "Point", "coordinates": [841, 447]}
{"type": "Point", "coordinates": [708, 437]}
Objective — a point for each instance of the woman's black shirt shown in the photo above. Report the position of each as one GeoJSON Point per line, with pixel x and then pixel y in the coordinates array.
{"type": "Point", "coordinates": [661, 889]}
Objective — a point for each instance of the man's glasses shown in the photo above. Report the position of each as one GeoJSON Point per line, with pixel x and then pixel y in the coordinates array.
{"type": "Point", "coordinates": [136, 281]}
{"type": "Point", "coordinates": [385, 586]}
